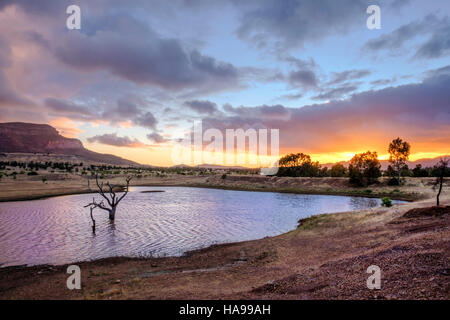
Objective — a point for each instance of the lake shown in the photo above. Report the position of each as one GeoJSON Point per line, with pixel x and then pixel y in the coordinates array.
{"type": "Point", "coordinates": [58, 230]}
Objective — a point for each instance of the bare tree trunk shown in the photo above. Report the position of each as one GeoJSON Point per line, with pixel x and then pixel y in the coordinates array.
{"type": "Point", "coordinates": [440, 189]}
{"type": "Point", "coordinates": [112, 213]}
{"type": "Point", "coordinates": [93, 221]}
{"type": "Point", "coordinates": [112, 199]}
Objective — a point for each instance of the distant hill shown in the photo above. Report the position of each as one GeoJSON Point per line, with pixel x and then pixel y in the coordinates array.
{"type": "Point", "coordinates": [210, 166]}
{"type": "Point", "coordinates": [217, 166]}
{"type": "Point", "coordinates": [19, 137]}
{"type": "Point", "coordinates": [426, 162]}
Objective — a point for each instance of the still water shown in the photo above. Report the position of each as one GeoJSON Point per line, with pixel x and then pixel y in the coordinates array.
{"type": "Point", "coordinates": [58, 230]}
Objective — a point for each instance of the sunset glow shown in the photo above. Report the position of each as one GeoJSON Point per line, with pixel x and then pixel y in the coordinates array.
{"type": "Point", "coordinates": [113, 86]}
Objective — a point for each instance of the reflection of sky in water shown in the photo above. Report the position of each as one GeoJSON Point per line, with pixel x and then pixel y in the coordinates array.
{"type": "Point", "coordinates": [58, 230]}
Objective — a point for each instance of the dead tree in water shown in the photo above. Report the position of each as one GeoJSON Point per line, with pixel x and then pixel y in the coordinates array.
{"type": "Point", "coordinates": [92, 206]}
{"type": "Point", "coordinates": [442, 167]}
{"type": "Point", "coordinates": [111, 198]}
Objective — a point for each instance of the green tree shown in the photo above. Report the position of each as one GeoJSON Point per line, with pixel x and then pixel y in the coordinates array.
{"type": "Point", "coordinates": [338, 170]}
{"type": "Point", "coordinates": [399, 151]}
{"type": "Point", "coordinates": [294, 160]}
{"type": "Point", "coordinates": [418, 171]}
{"type": "Point", "coordinates": [364, 168]}
{"type": "Point", "coordinates": [298, 165]}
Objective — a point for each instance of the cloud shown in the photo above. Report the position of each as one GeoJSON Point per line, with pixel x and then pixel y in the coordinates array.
{"type": "Point", "coordinates": [382, 82]}
{"type": "Point", "coordinates": [67, 108]}
{"type": "Point", "coordinates": [264, 75]}
{"type": "Point", "coordinates": [145, 58]}
{"type": "Point", "coordinates": [156, 138]}
{"type": "Point", "coordinates": [336, 93]}
{"type": "Point", "coordinates": [304, 73]}
{"type": "Point", "coordinates": [293, 96]}
{"type": "Point", "coordinates": [339, 77]}
{"type": "Point", "coordinates": [113, 140]}
{"type": "Point", "coordinates": [202, 106]}
{"type": "Point", "coordinates": [417, 112]}
{"type": "Point", "coordinates": [303, 78]}
{"type": "Point", "coordinates": [436, 46]}
{"type": "Point", "coordinates": [126, 109]}
{"type": "Point", "coordinates": [260, 112]}
{"type": "Point", "coordinates": [66, 127]}
{"type": "Point", "coordinates": [9, 96]}
{"type": "Point", "coordinates": [146, 120]}
{"type": "Point", "coordinates": [288, 24]}
{"type": "Point", "coordinates": [41, 7]}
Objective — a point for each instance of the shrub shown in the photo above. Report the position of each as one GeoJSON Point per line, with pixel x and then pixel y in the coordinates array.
{"type": "Point", "coordinates": [224, 176]}
{"type": "Point", "coordinates": [338, 170]}
{"type": "Point", "coordinates": [386, 202]}
{"type": "Point", "coordinates": [32, 173]}
{"type": "Point", "coordinates": [393, 182]}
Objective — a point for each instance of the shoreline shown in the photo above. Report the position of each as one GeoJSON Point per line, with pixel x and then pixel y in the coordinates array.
{"type": "Point", "coordinates": [258, 269]}
{"type": "Point", "coordinates": [185, 254]}
{"type": "Point", "coordinates": [42, 191]}
{"type": "Point", "coordinates": [325, 252]}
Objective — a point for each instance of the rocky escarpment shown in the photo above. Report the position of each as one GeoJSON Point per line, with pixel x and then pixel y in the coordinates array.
{"type": "Point", "coordinates": [42, 138]}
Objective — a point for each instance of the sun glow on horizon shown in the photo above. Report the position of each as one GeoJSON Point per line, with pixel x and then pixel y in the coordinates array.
{"type": "Point", "coordinates": [162, 156]}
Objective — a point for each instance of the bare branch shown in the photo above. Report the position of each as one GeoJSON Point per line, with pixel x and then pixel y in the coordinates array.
{"type": "Point", "coordinates": [126, 191]}
{"type": "Point", "coordinates": [100, 190]}
{"type": "Point", "coordinates": [111, 191]}
{"type": "Point", "coordinates": [94, 205]}
{"type": "Point", "coordinates": [112, 199]}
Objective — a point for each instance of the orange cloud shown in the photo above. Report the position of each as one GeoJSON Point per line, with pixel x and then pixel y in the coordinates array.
{"type": "Point", "coordinates": [66, 127]}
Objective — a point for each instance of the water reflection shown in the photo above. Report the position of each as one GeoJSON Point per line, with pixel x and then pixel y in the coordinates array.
{"type": "Point", "coordinates": [58, 230]}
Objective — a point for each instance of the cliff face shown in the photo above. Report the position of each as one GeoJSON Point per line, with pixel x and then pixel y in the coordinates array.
{"type": "Point", "coordinates": [30, 138]}
{"type": "Point", "coordinates": [42, 138]}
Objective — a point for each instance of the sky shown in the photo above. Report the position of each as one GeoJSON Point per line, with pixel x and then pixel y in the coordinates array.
{"type": "Point", "coordinates": [135, 77]}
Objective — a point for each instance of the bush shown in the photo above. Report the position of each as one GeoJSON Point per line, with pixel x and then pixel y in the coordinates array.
{"type": "Point", "coordinates": [32, 173]}
{"type": "Point", "coordinates": [338, 170]}
{"type": "Point", "coordinates": [386, 202]}
{"type": "Point", "coordinates": [224, 176]}
{"type": "Point", "coordinates": [393, 182]}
